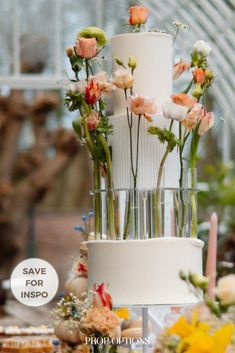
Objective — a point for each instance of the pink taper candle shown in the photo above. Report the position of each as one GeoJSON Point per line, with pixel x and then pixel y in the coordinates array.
{"type": "Point", "coordinates": [212, 254]}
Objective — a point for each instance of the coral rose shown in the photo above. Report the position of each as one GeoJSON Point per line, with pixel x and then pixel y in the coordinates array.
{"type": "Point", "coordinates": [180, 68]}
{"type": "Point", "coordinates": [184, 99]}
{"type": "Point", "coordinates": [199, 76]}
{"type": "Point", "coordinates": [141, 105]}
{"type": "Point", "coordinates": [138, 15]}
{"type": "Point", "coordinates": [123, 79]}
{"type": "Point", "coordinates": [86, 47]}
{"type": "Point", "coordinates": [93, 120]}
{"type": "Point", "coordinates": [206, 123]}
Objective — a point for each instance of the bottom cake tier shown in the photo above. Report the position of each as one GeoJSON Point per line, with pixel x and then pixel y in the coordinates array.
{"type": "Point", "coordinates": [145, 272]}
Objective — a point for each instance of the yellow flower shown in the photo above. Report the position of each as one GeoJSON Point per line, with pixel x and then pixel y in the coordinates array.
{"type": "Point", "coordinates": [183, 328]}
{"type": "Point", "coordinates": [123, 313]}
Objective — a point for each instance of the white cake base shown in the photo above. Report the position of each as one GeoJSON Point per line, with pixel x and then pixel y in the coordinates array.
{"type": "Point", "coordinates": [145, 272]}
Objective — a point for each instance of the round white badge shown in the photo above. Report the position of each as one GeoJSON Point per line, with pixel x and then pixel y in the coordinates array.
{"type": "Point", "coordinates": [34, 282]}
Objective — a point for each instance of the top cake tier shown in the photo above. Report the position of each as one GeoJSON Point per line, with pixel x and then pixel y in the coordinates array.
{"type": "Point", "coordinates": [153, 75]}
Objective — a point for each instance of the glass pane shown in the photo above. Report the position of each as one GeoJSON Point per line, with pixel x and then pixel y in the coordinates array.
{"type": "Point", "coordinates": [6, 37]}
{"type": "Point", "coordinates": [37, 23]}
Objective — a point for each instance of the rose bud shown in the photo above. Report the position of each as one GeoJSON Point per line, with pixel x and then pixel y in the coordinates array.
{"type": "Point", "coordinates": [138, 15]}
{"type": "Point", "coordinates": [199, 76]}
{"type": "Point", "coordinates": [132, 63]}
{"type": "Point", "coordinates": [197, 91]}
{"type": "Point", "coordinates": [69, 52]}
{"type": "Point", "coordinates": [93, 121]}
{"type": "Point", "coordinates": [86, 47]}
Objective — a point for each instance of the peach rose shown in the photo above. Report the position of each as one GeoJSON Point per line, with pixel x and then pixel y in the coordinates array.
{"type": "Point", "coordinates": [86, 47]}
{"type": "Point", "coordinates": [174, 111]}
{"type": "Point", "coordinates": [206, 123]}
{"type": "Point", "coordinates": [225, 289]}
{"type": "Point", "coordinates": [123, 79]}
{"type": "Point", "coordinates": [93, 120]}
{"type": "Point", "coordinates": [102, 80]}
{"type": "Point", "coordinates": [199, 76]}
{"type": "Point", "coordinates": [138, 15]}
{"type": "Point", "coordinates": [184, 99]}
{"type": "Point", "coordinates": [180, 68]}
{"type": "Point", "coordinates": [140, 105]}
{"type": "Point", "coordinates": [194, 116]}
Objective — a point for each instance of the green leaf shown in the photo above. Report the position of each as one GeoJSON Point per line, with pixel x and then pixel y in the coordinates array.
{"type": "Point", "coordinates": [164, 135]}
{"type": "Point", "coordinates": [77, 127]}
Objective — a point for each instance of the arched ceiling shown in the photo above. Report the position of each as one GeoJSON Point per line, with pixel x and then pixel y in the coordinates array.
{"type": "Point", "coordinates": [214, 22]}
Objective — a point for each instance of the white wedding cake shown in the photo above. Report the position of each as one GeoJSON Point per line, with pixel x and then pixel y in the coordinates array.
{"type": "Point", "coordinates": [152, 78]}
{"type": "Point", "coordinates": [144, 272]}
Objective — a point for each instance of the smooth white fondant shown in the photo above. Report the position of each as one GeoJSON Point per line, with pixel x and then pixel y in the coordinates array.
{"type": "Point", "coordinates": [153, 78]}
{"type": "Point", "coordinates": [145, 272]}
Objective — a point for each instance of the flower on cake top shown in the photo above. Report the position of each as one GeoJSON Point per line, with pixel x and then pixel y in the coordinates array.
{"type": "Point", "coordinates": [138, 15]}
{"type": "Point", "coordinates": [123, 79]}
{"type": "Point", "coordinates": [179, 68]}
{"type": "Point", "coordinates": [141, 105]}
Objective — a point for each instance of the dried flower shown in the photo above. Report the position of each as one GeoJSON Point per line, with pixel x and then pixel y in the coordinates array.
{"type": "Point", "coordinates": [179, 25]}
{"type": "Point", "coordinates": [100, 321]}
{"type": "Point", "coordinates": [69, 52]}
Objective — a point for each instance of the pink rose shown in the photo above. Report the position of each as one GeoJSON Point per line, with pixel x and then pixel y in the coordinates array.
{"type": "Point", "coordinates": [93, 120]}
{"type": "Point", "coordinates": [140, 105]}
{"type": "Point", "coordinates": [102, 80]}
{"type": "Point", "coordinates": [180, 68]}
{"type": "Point", "coordinates": [101, 297]}
{"type": "Point", "coordinates": [206, 123]}
{"type": "Point", "coordinates": [138, 15]}
{"type": "Point", "coordinates": [86, 47]}
{"type": "Point", "coordinates": [123, 79]}
{"type": "Point", "coordinates": [174, 111]}
{"type": "Point", "coordinates": [194, 116]}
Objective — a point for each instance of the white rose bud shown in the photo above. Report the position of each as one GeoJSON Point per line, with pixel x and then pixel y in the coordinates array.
{"type": "Point", "coordinates": [225, 290]}
{"type": "Point", "coordinates": [202, 47]}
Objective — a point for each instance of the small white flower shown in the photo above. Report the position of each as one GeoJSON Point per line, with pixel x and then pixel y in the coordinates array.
{"type": "Point", "coordinates": [179, 25]}
{"type": "Point", "coordinates": [202, 47]}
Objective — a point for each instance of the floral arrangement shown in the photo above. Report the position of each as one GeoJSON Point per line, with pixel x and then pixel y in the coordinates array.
{"type": "Point", "coordinates": [76, 320]}
{"type": "Point", "coordinates": [210, 327]}
{"type": "Point", "coordinates": [87, 94]}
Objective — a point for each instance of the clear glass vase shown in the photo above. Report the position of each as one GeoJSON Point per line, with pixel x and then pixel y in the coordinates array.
{"type": "Point", "coordinates": [127, 214]}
